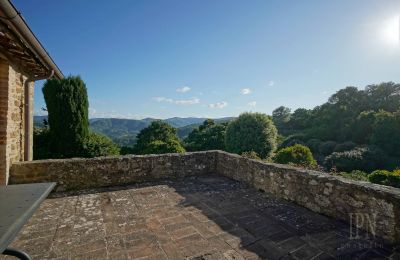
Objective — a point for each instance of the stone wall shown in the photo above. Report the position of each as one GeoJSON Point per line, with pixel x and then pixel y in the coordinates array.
{"type": "Point", "coordinates": [75, 174]}
{"type": "Point", "coordinates": [12, 120]}
{"type": "Point", "coordinates": [376, 207]}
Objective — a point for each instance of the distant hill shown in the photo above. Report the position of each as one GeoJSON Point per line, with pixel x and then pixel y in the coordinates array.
{"type": "Point", "coordinates": [124, 131]}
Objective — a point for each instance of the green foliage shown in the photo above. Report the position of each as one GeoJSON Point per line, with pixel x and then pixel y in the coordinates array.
{"type": "Point", "coordinates": [292, 140]}
{"type": "Point", "coordinates": [354, 175]}
{"type": "Point", "coordinates": [281, 117]}
{"type": "Point", "coordinates": [362, 128]}
{"type": "Point", "coordinates": [251, 132]}
{"type": "Point", "coordinates": [41, 141]}
{"type": "Point", "coordinates": [386, 132]}
{"type": "Point", "coordinates": [251, 155]}
{"type": "Point", "coordinates": [158, 135]}
{"type": "Point", "coordinates": [67, 106]}
{"type": "Point", "coordinates": [314, 144]}
{"type": "Point", "coordinates": [160, 147]}
{"type": "Point", "coordinates": [99, 145]}
{"type": "Point", "coordinates": [379, 177]}
{"type": "Point", "coordinates": [364, 117]}
{"type": "Point", "coordinates": [326, 148]}
{"type": "Point", "coordinates": [301, 119]}
{"type": "Point", "coordinates": [297, 154]}
{"type": "Point", "coordinates": [346, 146]}
{"type": "Point", "coordinates": [208, 136]}
{"type": "Point", "coordinates": [127, 150]}
{"type": "Point", "coordinates": [360, 158]}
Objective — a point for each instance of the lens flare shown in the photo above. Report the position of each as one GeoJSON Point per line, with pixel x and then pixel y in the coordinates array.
{"type": "Point", "coordinates": [390, 31]}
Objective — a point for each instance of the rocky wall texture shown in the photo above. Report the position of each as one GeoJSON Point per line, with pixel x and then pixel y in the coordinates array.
{"type": "Point", "coordinates": [12, 117]}
{"type": "Point", "coordinates": [371, 207]}
{"type": "Point", "coordinates": [82, 173]}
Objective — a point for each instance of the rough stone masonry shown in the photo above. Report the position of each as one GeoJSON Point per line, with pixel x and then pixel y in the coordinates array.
{"type": "Point", "coordinates": [371, 207]}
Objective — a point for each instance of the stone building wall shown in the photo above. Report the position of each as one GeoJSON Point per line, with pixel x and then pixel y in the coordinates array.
{"type": "Point", "coordinates": [12, 119]}
{"type": "Point", "coordinates": [374, 208]}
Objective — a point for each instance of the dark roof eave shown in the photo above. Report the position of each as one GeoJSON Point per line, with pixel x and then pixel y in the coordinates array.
{"type": "Point", "coordinates": [15, 21]}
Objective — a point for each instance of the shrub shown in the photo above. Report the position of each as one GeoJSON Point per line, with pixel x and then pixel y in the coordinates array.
{"type": "Point", "coordinates": [366, 158]}
{"type": "Point", "coordinates": [160, 147]}
{"type": "Point", "coordinates": [127, 150]}
{"type": "Point", "coordinates": [314, 144]}
{"type": "Point", "coordinates": [297, 154]}
{"type": "Point", "coordinates": [355, 175]}
{"type": "Point", "coordinates": [67, 106]}
{"type": "Point", "coordinates": [292, 140]}
{"type": "Point", "coordinates": [346, 146]}
{"type": "Point", "coordinates": [326, 148]}
{"type": "Point", "coordinates": [41, 140]}
{"type": "Point", "coordinates": [99, 145]}
{"type": "Point", "coordinates": [393, 180]}
{"type": "Point", "coordinates": [396, 172]}
{"type": "Point", "coordinates": [385, 178]}
{"type": "Point", "coordinates": [379, 176]}
{"type": "Point", "coordinates": [251, 132]}
{"type": "Point", "coordinates": [251, 155]}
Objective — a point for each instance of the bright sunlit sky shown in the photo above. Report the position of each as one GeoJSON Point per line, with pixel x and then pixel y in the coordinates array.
{"type": "Point", "coordinates": [206, 58]}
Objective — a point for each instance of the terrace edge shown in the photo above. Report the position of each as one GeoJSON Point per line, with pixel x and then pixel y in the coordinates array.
{"type": "Point", "coordinates": [371, 207]}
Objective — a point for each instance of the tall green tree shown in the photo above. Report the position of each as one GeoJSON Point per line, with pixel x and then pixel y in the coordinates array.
{"type": "Point", "coordinates": [251, 132]}
{"type": "Point", "coordinates": [281, 117]}
{"type": "Point", "coordinates": [67, 106]}
{"type": "Point", "coordinates": [386, 132]}
{"type": "Point", "coordinates": [158, 137]}
{"type": "Point", "coordinates": [208, 136]}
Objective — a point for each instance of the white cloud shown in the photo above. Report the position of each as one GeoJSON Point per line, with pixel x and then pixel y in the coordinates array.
{"type": "Point", "coordinates": [252, 104]}
{"type": "Point", "coordinates": [183, 89]}
{"type": "Point", "coordinates": [245, 91]}
{"type": "Point", "coordinates": [190, 101]}
{"type": "Point", "coordinates": [219, 105]}
{"type": "Point", "coordinates": [271, 83]}
{"type": "Point", "coordinates": [163, 99]}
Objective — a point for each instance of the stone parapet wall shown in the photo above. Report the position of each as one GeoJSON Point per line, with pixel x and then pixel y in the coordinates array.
{"type": "Point", "coordinates": [82, 173]}
{"type": "Point", "coordinates": [374, 208]}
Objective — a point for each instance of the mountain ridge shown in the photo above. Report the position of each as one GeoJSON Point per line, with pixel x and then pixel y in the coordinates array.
{"type": "Point", "coordinates": [123, 131]}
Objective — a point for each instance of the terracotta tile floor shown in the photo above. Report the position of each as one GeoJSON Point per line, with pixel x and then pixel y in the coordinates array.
{"type": "Point", "coordinates": [194, 218]}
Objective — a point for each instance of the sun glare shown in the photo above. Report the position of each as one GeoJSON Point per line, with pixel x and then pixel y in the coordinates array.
{"type": "Point", "coordinates": [390, 31]}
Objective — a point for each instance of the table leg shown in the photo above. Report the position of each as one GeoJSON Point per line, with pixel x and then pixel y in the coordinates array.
{"type": "Point", "coordinates": [17, 253]}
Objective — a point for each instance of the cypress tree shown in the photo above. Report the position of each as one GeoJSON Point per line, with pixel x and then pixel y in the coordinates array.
{"type": "Point", "coordinates": [67, 105]}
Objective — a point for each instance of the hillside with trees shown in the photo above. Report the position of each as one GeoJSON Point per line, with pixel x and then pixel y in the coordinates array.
{"type": "Point", "coordinates": [355, 134]}
{"type": "Point", "coordinates": [354, 130]}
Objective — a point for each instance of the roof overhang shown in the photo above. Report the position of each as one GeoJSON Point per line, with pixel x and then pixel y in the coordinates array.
{"type": "Point", "coordinates": [21, 47]}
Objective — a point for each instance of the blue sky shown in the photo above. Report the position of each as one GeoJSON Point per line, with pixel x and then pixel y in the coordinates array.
{"type": "Point", "coordinates": [210, 58]}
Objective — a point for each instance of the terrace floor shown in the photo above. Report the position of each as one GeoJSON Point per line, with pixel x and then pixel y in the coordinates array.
{"type": "Point", "coordinates": [193, 218]}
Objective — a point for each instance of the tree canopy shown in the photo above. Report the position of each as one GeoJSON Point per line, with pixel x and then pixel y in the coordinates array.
{"type": "Point", "coordinates": [208, 136]}
{"type": "Point", "coordinates": [67, 107]}
{"type": "Point", "coordinates": [251, 132]}
{"type": "Point", "coordinates": [68, 133]}
{"type": "Point", "coordinates": [158, 137]}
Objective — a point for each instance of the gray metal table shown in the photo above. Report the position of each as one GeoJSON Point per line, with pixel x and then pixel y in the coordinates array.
{"type": "Point", "coordinates": [17, 205]}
